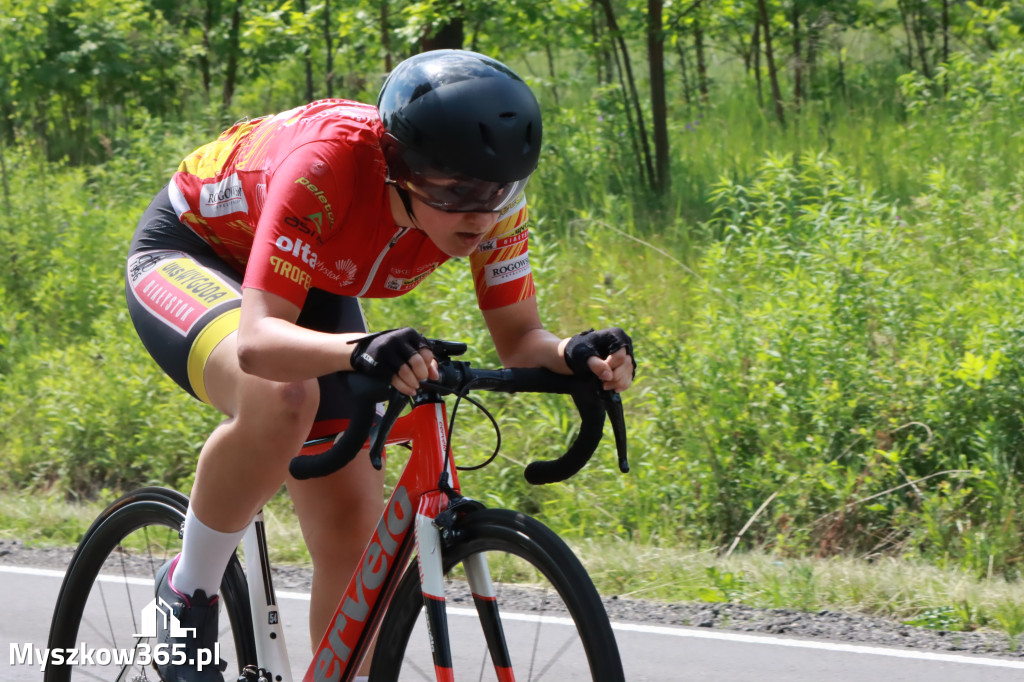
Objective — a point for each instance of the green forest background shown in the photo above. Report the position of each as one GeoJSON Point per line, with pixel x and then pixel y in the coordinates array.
{"type": "Point", "coordinates": [807, 214]}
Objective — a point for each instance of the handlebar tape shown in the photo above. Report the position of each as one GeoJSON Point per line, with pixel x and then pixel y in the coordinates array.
{"type": "Point", "coordinates": [585, 395]}
{"type": "Point", "coordinates": [367, 392]}
{"type": "Point", "coordinates": [576, 457]}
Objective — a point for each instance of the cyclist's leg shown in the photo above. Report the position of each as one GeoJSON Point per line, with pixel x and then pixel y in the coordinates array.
{"type": "Point", "coordinates": [337, 513]}
{"type": "Point", "coordinates": [245, 460]}
{"type": "Point", "coordinates": [185, 304]}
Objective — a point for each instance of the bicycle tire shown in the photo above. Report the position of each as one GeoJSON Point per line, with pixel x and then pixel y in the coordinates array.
{"type": "Point", "coordinates": [573, 641]}
{"type": "Point", "coordinates": [110, 578]}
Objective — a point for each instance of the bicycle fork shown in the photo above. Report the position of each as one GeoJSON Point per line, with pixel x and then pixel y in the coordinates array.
{"type": "Point", "coordinates": [266, 617]}
{"type": "Point", "coordinates": [428, 536]}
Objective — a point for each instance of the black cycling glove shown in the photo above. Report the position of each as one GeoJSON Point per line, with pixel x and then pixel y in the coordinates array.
{"type": "Point", "coordinates": [383, 354]}
{"type": "Point", "coordinates": [600, 343]}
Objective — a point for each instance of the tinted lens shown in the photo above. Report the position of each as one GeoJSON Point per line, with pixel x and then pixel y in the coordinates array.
{"type": "Point", "coordinates": [465, 195]}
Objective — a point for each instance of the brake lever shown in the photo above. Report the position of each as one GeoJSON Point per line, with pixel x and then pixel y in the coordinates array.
{"type": "Point", "coordinates": [446, 350]}
{"type": "Point", "coordinates": [613, 408]}
{"type": "Point", "coordinates": [379, 431]}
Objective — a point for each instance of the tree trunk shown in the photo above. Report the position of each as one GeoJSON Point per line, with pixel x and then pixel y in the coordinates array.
{"type": "Point", "coordinates": [773, 75]}
{"type": "Point", "coordinates": [3, 178]}
{"type": "Point", "coordinates": [385, 35]}
{"type": "Point", "coordinates": [798, 67]}
{"type": "Point", "coordinates": [204, 58]}
{"type": "Point", "coordinates": [629, 90]}
{"type": "Point", "coordinates": [702, 66]}
{"type": "Point", "coordinates": [842, 70]}
{"type": "Point", "coordinates": [684, 72]}
{"type": "Point", "coordinates": [922, 49]}
{"type": "Point", "coordinates": [902, 4]}
{"type": "Point", "coordinates": [755, 49]}
{"type": "Point", "coordinates": [231, 70]}
{"type": "Point", "coordinates": [945, 31]}
{"type": "Point", "coordinates": [659, 107]}
{"type": "Point", "coordinates": [308, 66]}
{"type": "Point", "coordinates": [451, 36]}
{"type": "Point", "coordinates": [549, 53]}
{"type": "Point", "coordinates": [811, 57]}
{"type": "Point", "coordinates": [329, 50]}
{"type": "Point", "coordinates": [603, 61]}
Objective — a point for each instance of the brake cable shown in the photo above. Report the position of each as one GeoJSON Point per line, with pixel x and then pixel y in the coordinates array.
{"type": "Point", "coordinates": [461, 395]}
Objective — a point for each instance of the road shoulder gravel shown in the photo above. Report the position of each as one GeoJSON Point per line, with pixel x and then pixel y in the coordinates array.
{"type": "Point", "coordinates": [833, 626]}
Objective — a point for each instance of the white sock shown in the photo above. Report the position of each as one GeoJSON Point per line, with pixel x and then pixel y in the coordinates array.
{"type": "Point", "coordinates": [361, 679]}
{"type": "Point", "coordinates": [204, 556]}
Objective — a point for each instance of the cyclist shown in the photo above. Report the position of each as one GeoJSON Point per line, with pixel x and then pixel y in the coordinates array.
{"type": "Point", "coordinates": [243, 282]}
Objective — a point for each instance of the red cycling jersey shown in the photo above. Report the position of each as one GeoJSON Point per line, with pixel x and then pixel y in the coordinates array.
{"type": "Point", "coordinates": [299, 200]}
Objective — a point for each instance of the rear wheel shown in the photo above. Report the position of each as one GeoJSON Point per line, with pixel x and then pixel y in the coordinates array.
{"type": "Point", "coordinates": [110, 582]}
{"type": "Point", "coordinates": [550, 615]}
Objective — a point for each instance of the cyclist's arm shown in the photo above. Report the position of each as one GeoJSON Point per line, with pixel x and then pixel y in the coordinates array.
{"type": "Point", "coordinates": [272, 346]}
{"type": "Point", "coordinates": [521, 341]}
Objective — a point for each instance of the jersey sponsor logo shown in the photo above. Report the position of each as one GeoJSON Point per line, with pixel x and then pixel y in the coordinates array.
{"type": "Point", "coordinates": [506, 271]}
{"type": "Point", "coordinates": [396, 282]}
{"type": "Point", "coordinates": [321, 197]}
{"type": "Point", "coordinates": [309, 226]}
{"type": "Point", "coordinates": [502, 241]}
{"type": "Point", "coordinates": [139, 265]}
{"type": "Point", "coordinates": [343, 273]}
{"type": "Point", "coordinates": [291, 271]}
{"type": "Point", "coordinates": [223, 198]}
{"type": "Point", "coordinates": [297, 248]}
{"type": "Point", "coordinates": [261, 196]}
{"type": "Point", "coordinates": [179, 291]}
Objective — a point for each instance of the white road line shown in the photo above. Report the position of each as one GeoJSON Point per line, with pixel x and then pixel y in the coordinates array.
{"type": "Point", "coordinates": [25, 570]}
{"type": "Point", "coordinates": [812, 644]}
{"type": "Point", "coordinates": [663, 630]}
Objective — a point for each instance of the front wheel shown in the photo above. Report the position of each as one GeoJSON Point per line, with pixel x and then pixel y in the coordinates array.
{"type": "Point", "coordinates": [109, 585]}
{"type": "Point", "coordinates": [553, 624]}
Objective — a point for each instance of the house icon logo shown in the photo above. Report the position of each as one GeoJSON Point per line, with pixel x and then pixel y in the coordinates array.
{"type": "Point", "coordinates": [156, 616]}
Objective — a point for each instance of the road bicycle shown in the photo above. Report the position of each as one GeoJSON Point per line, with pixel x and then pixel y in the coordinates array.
{"type": "Point", "coordinates": [435, 551]}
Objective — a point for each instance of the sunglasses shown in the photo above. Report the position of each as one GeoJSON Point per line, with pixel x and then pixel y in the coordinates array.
{"type": "Point", "coordinates": [462, 194]}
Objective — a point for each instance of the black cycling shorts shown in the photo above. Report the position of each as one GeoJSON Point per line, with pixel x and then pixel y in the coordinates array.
{"type": "Point", "coordinates": [184, 300]}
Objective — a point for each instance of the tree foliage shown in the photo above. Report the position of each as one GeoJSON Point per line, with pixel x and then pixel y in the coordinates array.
{"type": "Point", "coordinates": [76, 72]}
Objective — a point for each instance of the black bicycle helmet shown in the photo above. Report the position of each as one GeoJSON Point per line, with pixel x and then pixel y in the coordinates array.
{"type": "Point", "coordinates": [463, 131]}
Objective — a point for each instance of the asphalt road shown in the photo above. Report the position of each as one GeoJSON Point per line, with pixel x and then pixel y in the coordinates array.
{"type": "Point", "coordinates": [649, 653]}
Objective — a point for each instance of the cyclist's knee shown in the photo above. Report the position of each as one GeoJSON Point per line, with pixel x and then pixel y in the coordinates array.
{"type": "Point", "coordinates": [280, 409]}
{"type": "Point", "coordinates": [296, 402]}
{"type": "Point", "coordinates": [299, 398]}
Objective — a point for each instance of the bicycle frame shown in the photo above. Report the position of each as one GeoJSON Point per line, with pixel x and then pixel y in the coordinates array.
{"type": "Point", "coordinates": [406, 526]}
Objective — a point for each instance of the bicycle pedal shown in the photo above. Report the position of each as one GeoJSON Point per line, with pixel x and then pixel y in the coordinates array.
{"type": "Point", "coordinates": [251, 673]}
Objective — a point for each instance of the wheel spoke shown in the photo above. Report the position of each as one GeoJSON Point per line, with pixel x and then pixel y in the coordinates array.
{"type": "Point", "coordinates": [110, 582]}
{"type": "Point", "coordinates": [553, 623]}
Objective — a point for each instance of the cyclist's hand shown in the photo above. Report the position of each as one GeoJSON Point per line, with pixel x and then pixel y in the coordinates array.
{"type": "Point", "coordinates": [398, 355]}
{"type": "Point", "coordinates": [607, 353]}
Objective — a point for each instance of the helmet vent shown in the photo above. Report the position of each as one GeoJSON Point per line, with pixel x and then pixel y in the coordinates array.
{"type": "Point", "coordinates": [529, 136]}
{"type": "Point", "coordinates": [485, 138]}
